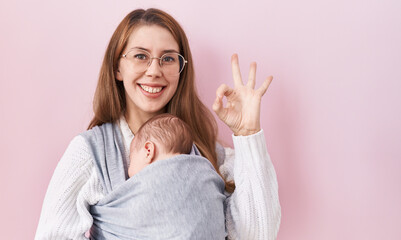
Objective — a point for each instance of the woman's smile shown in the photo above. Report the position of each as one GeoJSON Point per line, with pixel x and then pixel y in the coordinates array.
{"type": "Point", "coordinates": [152, 90]}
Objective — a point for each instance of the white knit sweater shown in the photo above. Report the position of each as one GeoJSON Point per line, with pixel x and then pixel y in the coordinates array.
{"type": "Point", "coordinates": [253, 210]}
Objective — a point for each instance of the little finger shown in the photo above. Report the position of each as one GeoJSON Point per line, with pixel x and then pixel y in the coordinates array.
{"type": "Point", "coordinates": [262, 90]}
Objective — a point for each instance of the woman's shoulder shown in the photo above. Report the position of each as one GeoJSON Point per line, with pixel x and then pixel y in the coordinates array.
{"type": "Point", "coordinates": [77, 154]}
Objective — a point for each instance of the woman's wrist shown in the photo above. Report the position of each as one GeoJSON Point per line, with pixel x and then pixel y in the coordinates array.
{"type": "Point", "coordinates": [246, 132]}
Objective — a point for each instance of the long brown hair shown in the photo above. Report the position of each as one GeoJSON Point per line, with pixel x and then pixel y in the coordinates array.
{"type": "Point", "coordinates": [109, 101]}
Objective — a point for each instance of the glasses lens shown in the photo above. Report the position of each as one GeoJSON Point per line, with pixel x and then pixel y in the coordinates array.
{"type": "Point", "coordinates": [172, 64]}
{"type": "Point", "coordinates": [140, 60]}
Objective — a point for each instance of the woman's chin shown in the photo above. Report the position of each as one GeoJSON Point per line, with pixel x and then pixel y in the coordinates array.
{"type": "Point", "coordinates": [154, 110]}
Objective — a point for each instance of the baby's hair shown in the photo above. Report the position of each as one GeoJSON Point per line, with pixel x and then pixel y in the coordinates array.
{"type": "Point", "coordinates": [166, 129]}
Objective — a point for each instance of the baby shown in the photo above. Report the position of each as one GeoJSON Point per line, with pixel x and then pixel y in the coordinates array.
{"type": "Point", "coordinates": [179, 197]}
{"type": "Point", "coordinates": [161, 137]}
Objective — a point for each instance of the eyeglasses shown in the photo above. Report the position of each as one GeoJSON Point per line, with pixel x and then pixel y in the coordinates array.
{"type": "Point", "coordinates": [171, 63]}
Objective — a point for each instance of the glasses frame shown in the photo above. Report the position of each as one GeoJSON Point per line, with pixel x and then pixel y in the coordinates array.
{"type": "Point", "coordinates": [160, 59]}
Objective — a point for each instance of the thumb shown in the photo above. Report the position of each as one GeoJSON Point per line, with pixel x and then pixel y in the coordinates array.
{"type": "Point", "coordinates": [218, 107]}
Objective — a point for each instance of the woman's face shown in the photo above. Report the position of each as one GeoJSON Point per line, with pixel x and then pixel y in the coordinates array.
{"type": "Point", "coordinates": [148, 92]}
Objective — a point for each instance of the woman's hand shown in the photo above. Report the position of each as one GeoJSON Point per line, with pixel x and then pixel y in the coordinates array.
{"type": "Point", "coordinates": [242, 111]}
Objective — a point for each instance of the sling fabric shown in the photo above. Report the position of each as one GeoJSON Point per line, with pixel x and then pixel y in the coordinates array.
{"type": "Point", "coordinates": [177, 198]}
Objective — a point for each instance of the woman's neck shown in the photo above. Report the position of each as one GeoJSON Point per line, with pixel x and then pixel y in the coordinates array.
{"type": "Point", "coordinates": [136, 119]}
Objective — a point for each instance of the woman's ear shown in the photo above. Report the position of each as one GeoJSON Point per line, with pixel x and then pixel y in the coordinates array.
{"type": "Point", "coordinates": [150, 151]}
{"type": "Point", "coordinates": [117, 75]}
{"type": "Point", "coordinates": [117, 72]}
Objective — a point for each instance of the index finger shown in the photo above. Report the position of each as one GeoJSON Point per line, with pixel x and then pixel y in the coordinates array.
{"type": "Point", "coordinates": [236, 71]}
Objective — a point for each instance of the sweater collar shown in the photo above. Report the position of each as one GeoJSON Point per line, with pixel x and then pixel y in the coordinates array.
{"type": "Point", "coordinates": [127, 135]}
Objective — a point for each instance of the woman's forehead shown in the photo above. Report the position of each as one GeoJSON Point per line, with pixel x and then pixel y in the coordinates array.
{"type": "Point", "coordinates": [153, 38]}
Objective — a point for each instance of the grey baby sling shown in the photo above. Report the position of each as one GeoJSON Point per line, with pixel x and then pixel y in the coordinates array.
{"type": "Point", "coordinates": [176, 198]}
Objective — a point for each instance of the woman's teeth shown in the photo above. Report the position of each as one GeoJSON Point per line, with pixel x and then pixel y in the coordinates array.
{"type": "Point", "coordinates": [151, 89]}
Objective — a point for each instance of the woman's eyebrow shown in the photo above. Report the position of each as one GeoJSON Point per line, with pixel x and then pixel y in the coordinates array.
{"type": "Point", "coordinates": [141, 48]}
{"type": "Point", "coordinates": [164, 51]}
{"type": "Point", "coordinates": [170, 50]}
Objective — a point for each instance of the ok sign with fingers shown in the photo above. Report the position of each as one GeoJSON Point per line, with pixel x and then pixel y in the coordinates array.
{"type": "Point", "coordinates": [242, 111]}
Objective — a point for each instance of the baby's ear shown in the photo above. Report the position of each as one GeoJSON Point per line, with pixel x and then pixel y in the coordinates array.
{"type": "Point", "coordinates": [150, 151]}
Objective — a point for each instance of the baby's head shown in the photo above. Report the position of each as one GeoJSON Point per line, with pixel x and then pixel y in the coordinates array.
{"type": "Point", "coordinates": [161, 137]}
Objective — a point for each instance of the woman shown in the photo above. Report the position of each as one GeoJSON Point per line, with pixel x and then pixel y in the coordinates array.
{"type": "Point", "coordinates": [137, 81]}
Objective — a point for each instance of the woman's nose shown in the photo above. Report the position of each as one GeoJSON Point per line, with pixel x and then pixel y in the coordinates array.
{"type": "Point", "coordinates": [154, 68]}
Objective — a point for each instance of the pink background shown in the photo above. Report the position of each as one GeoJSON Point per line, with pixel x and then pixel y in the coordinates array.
{"type": "Point", "coordinates": [331, 116]}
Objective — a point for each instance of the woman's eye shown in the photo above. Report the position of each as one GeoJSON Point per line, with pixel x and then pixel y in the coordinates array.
{"type": "Point", "coordinates": [168, 59]}
{"type": "Point", "coordinates": [141, 56]}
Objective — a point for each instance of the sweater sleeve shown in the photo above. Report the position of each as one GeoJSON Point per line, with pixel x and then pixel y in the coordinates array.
{"type": "Point", "coordinates": [72, 189]}
{"type": "Point", "coordinates": [253, 210]}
